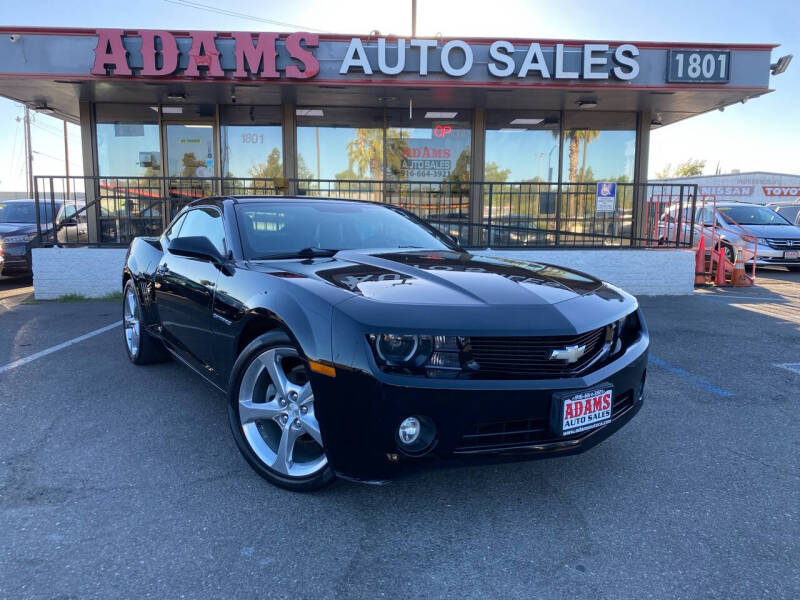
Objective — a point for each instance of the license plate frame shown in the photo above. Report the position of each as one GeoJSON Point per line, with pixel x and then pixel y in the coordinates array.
{"type": "Point", "coordinates": [791, 254]}
{"type": "Point", "coordinates": [563, 418]}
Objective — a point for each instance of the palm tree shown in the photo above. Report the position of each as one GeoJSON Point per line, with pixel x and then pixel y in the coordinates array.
{"type": "Point", "coordinates": [586, 136]}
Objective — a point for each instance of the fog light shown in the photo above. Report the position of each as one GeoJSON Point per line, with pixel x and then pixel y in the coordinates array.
{"type": "Point", "coordinates": [409, 431]}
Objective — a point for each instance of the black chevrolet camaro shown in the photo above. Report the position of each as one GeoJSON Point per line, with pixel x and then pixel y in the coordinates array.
{"type": "Point", "coordinates": [353, 339]}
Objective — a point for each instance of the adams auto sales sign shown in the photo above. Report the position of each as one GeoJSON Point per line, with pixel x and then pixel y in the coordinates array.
{"type": "Point", "coordinates": [299, 56]}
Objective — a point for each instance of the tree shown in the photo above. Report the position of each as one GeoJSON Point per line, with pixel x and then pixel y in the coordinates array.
{"type": "Point", "coordinates": [191, 164]}
{"type": "Point", "coordinates": [460, 170]}
{"type": "Point", "coordinates": [688, 168]}
{"type": "Point", "coordinates": [586, 136]}
{"type": "Point", "coordinates": [270, 169]}
{"type": "Point", "coordinates": [492, 172]}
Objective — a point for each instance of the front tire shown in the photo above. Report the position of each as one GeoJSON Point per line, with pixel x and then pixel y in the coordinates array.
{"type": "Point", "coordinates": [142, 348]}
{"type": "Point", "coordinates": [271, 413]}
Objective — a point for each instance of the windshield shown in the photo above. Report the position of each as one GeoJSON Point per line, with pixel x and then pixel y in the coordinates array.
{"type": "Point", "coordinates": [276, 228]}
{"type": "Point", "coordinates": [751, 215]}
{"type": "Point", "coordinates": [25, 212]}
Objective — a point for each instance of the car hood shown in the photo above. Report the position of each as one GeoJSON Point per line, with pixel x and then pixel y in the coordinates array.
{"type": "Point", "coordinates": [443, 278]}
{"type": "Point", "coordinates": [17, 228]}
{"type": "Point", "coordinates": [771, 231]}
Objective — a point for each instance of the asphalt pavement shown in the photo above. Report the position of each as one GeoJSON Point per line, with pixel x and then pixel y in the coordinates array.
{"type": "Point", "coordinates": [119, 481]}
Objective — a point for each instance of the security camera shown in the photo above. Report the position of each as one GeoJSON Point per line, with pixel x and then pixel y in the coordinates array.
{"type": "Point", "coordinates": [14, 37]}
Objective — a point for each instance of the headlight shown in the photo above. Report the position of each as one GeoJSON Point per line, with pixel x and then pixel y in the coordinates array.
{"type": "Point", "coordinates": [431, 355]}
{"type": "Point", "coordinates": [762, 242]}
{"type": "Point", "coordinates": [17, 239]}
{"type": "Point", "coordinates": [402, 350]}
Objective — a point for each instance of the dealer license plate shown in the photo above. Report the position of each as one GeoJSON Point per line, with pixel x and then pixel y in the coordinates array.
{"type": "Point", "coordinates": [580, 411]}
{"type": "Point", "coordinates": [791, 254]}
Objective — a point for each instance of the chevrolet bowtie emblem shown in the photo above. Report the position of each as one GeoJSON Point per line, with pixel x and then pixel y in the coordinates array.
{"type": "Point", "coordinates": [570, 354]}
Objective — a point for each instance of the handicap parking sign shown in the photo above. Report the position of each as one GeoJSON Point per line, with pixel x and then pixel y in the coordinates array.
{"type": "Point", "coordinates": [606, 197]}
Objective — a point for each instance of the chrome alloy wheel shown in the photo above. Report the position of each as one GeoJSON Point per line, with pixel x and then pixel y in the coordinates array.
{"type": "Point", "coordinates": [276, 412]}
{"type": "Point", "coordinates": [131, 321]}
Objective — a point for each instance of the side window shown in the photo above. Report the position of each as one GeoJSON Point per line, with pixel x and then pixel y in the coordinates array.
{"type": "Point", "coordinates": [206, 222]}
{"type": "Point", "coordinates": [175, 228]}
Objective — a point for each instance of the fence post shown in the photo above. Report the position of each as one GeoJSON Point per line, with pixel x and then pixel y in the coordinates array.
{"type": "Point", "coordinates": [694, 210]}
{"type": "Point", "coordinates": [679, 225]}
{"type": "Point", "coordinates": [489, 228]}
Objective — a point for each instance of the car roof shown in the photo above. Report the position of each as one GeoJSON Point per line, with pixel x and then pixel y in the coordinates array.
{"type": "Point", "coordinates": [298, 199]}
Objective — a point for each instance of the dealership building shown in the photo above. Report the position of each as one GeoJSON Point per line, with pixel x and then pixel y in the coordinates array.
{"type": "Point", "coordinates": [758, 187]}
{"type": "Point", "coordinates": [531, 148]}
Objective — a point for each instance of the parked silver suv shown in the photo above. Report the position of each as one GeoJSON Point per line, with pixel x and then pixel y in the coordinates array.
{"type": "Point", "coordinates": [790, 209]}
{"type": "Point", "coordinates": [738, 225]}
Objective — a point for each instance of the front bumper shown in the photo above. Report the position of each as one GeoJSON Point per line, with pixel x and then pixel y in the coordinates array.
{"type": "Point", "coordinates": [17, 258]}
{"type": "Point", "coordinates": [359, 413]}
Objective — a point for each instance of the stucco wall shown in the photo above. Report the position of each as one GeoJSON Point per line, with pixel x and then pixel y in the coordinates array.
{"type": "Point", "coordinates": [92, 272]}
{"type": "Point", "coordinates": [647, 272]}
{"type": "Point", "coordinates": [95, 272]}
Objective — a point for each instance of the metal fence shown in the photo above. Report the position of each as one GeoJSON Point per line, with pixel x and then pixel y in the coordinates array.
{"type": "Point", "coordinates": [114, 210]}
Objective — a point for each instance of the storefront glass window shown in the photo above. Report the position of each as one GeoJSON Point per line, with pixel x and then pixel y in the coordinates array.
{"type": "Point", "coordinates": [429, 146]}
{"type": "Point", "coordinates": [251, 142]}
{"type": "Point", "coordinates": [127, 142]}
{"type": "Point", "coordinates": [190, 149]}
{"type": "Point", "coordinates": [599, 147]}
{"type": "Point", "coordinates": [521, 146]}
{"type": "Point", "coordinates": [339, 143]}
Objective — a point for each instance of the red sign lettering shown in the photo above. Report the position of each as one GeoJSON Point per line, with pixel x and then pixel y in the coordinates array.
{"type": "Point", "coordinates": [110, 52]}
{"type": "Point", "coordinates": [169, 53]}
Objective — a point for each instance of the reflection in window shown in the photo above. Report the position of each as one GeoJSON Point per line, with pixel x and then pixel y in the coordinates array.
{"type": "Point", "coordinates": [190, 149]}
{"type": "Point", "coordinates": [599, 147]}
{"type": "Point", "coordinates": [429, 146]}
{"type": "Point", "coordinates": [128, 150]}
{"type": "Point", "coordinates": [373, 144]}
{"type": "Point", "coordinates": [342, 144]}
{"type": "Point", "coordinates": [521, 146]}
{"type": "Point", "coordinates": [251, 151]}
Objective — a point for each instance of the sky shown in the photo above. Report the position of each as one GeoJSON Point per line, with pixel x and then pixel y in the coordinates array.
{"type": "Point", "coordinates": [762, 134]}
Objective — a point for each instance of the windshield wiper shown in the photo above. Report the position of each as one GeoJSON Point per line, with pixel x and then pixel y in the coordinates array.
{"type": "Point", "coordinates": [302, 253]}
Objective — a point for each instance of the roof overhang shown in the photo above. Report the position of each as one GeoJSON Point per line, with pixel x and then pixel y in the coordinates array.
{"type": "Point", "coordinates": [58, 68]}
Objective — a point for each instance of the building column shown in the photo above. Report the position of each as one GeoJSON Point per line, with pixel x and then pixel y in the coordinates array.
{"type": "Point", "coordinates": [639, 227]}
{"type": "Point", "coordinates": [88, 122]}
{"type": "Point", "coordinates": [289, 133]}
{"type": "Point", "coordinates": [476, 172]}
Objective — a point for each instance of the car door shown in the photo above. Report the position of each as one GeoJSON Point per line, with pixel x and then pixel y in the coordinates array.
{"type": "Point", "coordinates": [185, 289]}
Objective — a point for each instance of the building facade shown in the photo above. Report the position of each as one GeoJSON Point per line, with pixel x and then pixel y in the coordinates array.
{"type": "Point", "coordinates": [501, 142]}
{"type": "Point", "coordinates": [754, 186]}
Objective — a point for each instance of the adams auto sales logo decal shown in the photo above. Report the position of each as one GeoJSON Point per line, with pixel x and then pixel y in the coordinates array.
{"type": "Point", "coordinates": [586, 411]}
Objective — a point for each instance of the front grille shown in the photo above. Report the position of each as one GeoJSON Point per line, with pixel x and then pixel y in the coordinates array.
{"type": "Point", "coordinates": [784, 243]}
{"type": "Point", "coordinates": [529, 357]}
{"type": "Point", "coordinates": [484, 437]}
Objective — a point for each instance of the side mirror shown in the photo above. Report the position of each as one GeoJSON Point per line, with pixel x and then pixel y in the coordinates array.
{"type": "Point", "coordinates": [195, 247]}
{"type": "Point", "coordinates": [71, 222]}
{"type": "Point", "coordinates": [452, 239]}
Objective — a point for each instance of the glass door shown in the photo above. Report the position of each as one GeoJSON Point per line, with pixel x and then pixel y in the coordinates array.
{"type": "Point", "coordinates": [191, 162]}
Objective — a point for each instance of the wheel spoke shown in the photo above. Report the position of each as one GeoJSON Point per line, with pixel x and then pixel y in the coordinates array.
{"type": "Point", "coordinates": [305, 396]}
{"type": "Point", "coordinates": [254, 411]}
{"type": "Point", "coordinates": [309, 424]}
{"type": "Point", "coordinates": [271, 361]}
{"type": "Point", "coordinates": [284, 457]}
{"type": "Point", "coordinates": [132, 304]}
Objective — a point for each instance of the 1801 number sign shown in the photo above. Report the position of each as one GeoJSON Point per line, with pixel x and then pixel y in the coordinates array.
{"type": "Point", "coordinates": [699, 66]}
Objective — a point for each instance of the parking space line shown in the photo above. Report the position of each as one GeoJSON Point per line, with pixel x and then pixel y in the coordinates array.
{"type": "Point", "coordinates": [793, 367]}
{"type": "Point", "coordinates": [57, 347]}
{"type": "Point", "coordinates": [694, 379]}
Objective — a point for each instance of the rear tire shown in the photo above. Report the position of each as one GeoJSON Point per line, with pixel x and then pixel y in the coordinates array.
{"type": "Point", "coordinates": [142, 348]}
{"type": "Point", "coordinates": [271, 413]}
